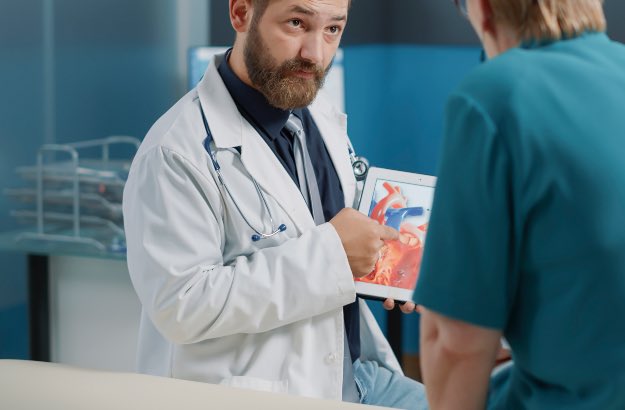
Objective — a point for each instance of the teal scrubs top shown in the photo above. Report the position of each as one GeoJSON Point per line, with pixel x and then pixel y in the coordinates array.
{"type": "Point", "coordinates": [527, 232]}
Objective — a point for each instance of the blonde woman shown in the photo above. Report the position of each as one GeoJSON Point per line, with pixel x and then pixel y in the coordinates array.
{"type": "Point", "coordinates": [527, 236]}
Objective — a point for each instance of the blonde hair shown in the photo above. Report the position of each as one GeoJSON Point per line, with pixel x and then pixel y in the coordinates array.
{"type": "Point", "coordinates": [550, 19]}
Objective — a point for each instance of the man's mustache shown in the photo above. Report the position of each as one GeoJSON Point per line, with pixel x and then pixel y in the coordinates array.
{"type": "Point", "coordinates": [297, 64]}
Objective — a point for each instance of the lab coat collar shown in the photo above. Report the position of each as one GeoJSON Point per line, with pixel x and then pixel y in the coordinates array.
{"type": "Point", "coordinates": [225, 122]}
{"type": "Point", "coordinates": [332, 125]}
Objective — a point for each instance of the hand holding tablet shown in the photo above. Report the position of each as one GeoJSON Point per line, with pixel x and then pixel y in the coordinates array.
{"type": "Point", "coordinates": [402, 201]}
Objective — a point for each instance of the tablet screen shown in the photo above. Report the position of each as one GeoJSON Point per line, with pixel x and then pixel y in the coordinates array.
{"type": "Point", "coordinates": [403, 203]}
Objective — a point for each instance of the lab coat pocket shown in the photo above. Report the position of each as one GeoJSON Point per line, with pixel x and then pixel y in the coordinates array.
{"type": "Point", "coordinates": [256, 383]}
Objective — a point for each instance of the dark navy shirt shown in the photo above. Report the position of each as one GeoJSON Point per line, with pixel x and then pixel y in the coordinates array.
{"type": "Point", "coordinates": [269, 121]}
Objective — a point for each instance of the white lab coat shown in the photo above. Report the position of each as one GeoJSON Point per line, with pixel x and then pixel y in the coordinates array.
{"type": "Point", "coordinates": [218, 307]}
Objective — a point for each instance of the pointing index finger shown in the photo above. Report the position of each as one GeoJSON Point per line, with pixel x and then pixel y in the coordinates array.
{"type": "Point", "coordinates": [388, 234]}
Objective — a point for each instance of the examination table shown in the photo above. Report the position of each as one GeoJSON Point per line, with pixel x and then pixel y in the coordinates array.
{"type": "Point", "coordinates": [26, 385]}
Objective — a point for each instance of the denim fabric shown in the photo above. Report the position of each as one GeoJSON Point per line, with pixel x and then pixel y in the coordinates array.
{"type": "Point", "coordinates": [382, 387]}
{"type": "Point", "coordinates": [499, 386]}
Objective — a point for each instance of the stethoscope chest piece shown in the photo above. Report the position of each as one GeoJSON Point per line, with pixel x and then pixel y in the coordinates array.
{"type": "Point", "coordinates": [360, 165]}
{"type": "Point", "coordinates": [361, 168]}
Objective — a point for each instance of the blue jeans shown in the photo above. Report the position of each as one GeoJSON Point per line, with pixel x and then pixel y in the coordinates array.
{"type": "Point", "coordinates": [498, 388]}
{"type": "Point", "coordinates": [381, 387]}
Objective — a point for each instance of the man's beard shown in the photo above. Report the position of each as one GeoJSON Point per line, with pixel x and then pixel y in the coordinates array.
{"type": "Point", "coordinates": [277, 81]}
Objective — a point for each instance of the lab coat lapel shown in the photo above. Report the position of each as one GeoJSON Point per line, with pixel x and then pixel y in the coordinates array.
{"type": "Point", "coordinates": [270, 174]}
{"type": "Point", "coordinates": [224, 120]}
{"type": "Point", "coordinates": [230, 129]}
{"type": "Point", "coordinates": [333, 128]}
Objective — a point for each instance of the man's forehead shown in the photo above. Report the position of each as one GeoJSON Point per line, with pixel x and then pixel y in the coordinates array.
{"type": "Point", "coordinates": [312, 7]}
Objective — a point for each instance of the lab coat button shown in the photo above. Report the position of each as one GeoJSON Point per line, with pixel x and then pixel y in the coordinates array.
{"type": "Point", "coordinates": [331, 358]}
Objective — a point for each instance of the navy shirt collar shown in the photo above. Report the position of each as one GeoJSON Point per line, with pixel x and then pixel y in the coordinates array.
{"type": "Point", "coordinates": [253, 102]}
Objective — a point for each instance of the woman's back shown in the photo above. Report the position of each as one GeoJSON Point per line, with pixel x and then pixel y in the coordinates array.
{"type": "Point", "coordinates": [564, 124]}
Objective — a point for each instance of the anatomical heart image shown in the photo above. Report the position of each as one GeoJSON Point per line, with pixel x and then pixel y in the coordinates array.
{"type": "Point", "coordinates": [405, 207]}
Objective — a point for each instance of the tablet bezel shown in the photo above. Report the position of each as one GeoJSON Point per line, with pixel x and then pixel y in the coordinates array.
{"type": "Point", "coordinates": [371, 290]}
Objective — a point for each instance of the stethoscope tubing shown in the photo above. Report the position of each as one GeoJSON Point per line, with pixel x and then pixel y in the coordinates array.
{"type": "Point", "coordinates": [360, 167]}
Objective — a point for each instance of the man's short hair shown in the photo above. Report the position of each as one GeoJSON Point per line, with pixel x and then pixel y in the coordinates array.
{"type": "Point", "coordinates": [261, 5]}
{"type": "Point", "coordinates": [550, 19]}
{"type": "Point", "coordinates": [259, 8]}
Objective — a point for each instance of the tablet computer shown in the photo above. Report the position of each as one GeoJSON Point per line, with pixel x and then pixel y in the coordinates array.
{"type": "Point", "coordinates": [403, 201]}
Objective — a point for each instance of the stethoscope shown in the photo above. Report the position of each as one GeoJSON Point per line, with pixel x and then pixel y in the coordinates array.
{"type": "Point", "coordinates": [360, 166]}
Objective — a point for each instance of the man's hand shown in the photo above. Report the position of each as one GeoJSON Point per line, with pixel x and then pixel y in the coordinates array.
{"type": "Point", "coordinates": [362, 239]}
{"type": "Point", "coordinates": [407, 307]}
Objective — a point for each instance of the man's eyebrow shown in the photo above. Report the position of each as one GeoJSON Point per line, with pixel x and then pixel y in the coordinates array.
{"type": "Point", "coordinates": [309, 12]}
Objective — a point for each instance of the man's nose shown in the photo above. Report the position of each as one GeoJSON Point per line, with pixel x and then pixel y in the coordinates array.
{"type": "Point", "coordinates": [312, 48]}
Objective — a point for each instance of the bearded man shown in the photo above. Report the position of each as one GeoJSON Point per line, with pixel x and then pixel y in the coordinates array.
{"type": "Point", "coordinates": [242, 244]}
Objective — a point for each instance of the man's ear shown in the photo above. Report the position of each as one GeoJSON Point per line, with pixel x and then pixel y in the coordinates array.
{"type": "Point", "coordinates": [488, 23]}
{"type": "Point", "coordinates": [241, 12]}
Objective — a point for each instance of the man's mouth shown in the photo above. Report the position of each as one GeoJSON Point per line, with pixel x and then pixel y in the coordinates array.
{"type": "Point", "coordinates": [308, 75]}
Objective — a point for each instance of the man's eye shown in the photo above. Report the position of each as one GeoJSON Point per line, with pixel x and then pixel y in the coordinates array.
{"type": "Point", "coordinates": [334, 29]}
{"type": "Point", "coordinates": [295, 22]}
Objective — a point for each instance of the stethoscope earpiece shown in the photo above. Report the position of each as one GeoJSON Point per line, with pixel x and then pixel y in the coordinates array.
{"type": "Point", "coordinates": [258, 236]}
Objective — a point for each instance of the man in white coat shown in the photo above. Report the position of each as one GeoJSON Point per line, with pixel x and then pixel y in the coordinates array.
{"type": "Point", "coordinates": [227, 296]}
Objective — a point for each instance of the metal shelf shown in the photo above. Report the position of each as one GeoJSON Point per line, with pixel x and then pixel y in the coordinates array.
{"type": "Point", "coordinates": [91, 202]}
{"type": "Point", "coordinates": [77, 201]}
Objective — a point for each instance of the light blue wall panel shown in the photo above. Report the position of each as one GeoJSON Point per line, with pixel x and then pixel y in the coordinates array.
{"type": "Point", "coordinates": [21, 113]}
{"type": "Point", "coordinates": [395, 97]}
{"type": "Point", "coordinates": [115, 66]}
{"type": "Point", "coordinates": [112, 69]}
